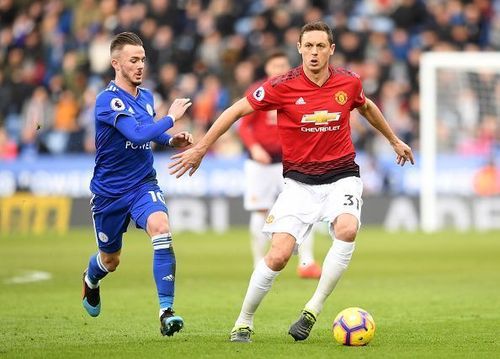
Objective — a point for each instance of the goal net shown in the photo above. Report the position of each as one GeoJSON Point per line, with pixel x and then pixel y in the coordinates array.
{"type": "Point", "coordinates": [460, 140]}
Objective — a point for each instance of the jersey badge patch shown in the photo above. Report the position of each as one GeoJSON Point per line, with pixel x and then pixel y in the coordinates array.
{"type": "Point", "coordinates": [103, 237]}
{"type": "Point", "coordinates": [270, 219]}
{"type": "Point", "coordinates": [341, 97]}
{"type": "Point", "coordinates": [117, 104]}
{"type": "Point", "coordinates": [149, 109]}
{"type": "Point", "coordinates": [259, 94]}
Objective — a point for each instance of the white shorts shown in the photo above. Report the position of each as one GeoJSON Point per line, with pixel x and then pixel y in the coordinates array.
{"type": "Point", "coordinates": [263, 183]}
{"type": "Point", "coordinates": [301, 205]}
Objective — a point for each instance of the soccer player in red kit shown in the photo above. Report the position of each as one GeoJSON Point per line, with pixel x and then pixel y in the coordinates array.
{"type": "Point", "coordinates": [264, 172]}
{"type": "Point", "coordinates": [322, 181]}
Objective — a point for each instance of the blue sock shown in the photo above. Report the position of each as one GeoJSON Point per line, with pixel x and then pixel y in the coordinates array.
{"type": "Point", "coordinates": [164, 269]}
{"type": "Point", "coordinates": [96, 270]}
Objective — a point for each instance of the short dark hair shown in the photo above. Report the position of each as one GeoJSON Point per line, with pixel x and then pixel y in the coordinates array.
{"type": "Point", "coordinates": [124, 38]}
{"type": "Point", "coordinates": [317, 26]}
{"type": "Point", "coordinates": [273, 55]}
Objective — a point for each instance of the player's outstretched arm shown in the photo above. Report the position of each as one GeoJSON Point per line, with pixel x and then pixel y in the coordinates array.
{"type": "Point", "coordinates": [373, 114]}
{"type": "Point", "coordinates": [141, 133]}
{"type": "Point", "coordinates": [190, 159]}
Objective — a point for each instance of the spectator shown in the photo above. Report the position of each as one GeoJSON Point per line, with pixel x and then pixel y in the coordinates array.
{"type": "Point", "coordinates": [65, 124]}
{"type": "Point", "coordinates": [487, 180]}
{"type": "Point", "coordinates": [164, 46]}
{"type": "Point", "coordinates": [209, 102]}
{"type": "Point", "coordinates": [8, 147]}
{"type": "Point", "coordinates": [86, 120]}
{"type": "Point", "coordinates": [37, 117]}
{"type": "Point", "coordinates": [99, 53]}
{"type": "Point", "coordinates": [87, 17]}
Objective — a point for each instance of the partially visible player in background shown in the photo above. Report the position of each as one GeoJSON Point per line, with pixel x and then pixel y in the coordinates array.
{"type": "Point", "coordinates": [264, 172]}
{"type": "Point", "coordinates": [124, 184]}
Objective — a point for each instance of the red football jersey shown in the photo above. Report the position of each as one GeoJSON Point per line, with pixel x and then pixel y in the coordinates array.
{"type": "Point", "coordinates": [261, 127]}
{"type": "Point", "coordinates": [313, 122]}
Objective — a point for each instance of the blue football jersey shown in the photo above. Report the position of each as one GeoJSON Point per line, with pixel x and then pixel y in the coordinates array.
{"type": "Point", "coordinates": [120, 164]}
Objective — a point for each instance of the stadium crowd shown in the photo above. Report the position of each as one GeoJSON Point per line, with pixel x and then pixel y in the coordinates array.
{"type": "Point", "coordinates": [54, 58]}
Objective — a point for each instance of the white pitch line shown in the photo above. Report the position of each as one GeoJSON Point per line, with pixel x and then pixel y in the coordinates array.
{"type": "Point", "coordinates": [29, 277]}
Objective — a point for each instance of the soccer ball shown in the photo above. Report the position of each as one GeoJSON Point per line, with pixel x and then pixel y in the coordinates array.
{"type": "Point", "coordinates": [353, 326]}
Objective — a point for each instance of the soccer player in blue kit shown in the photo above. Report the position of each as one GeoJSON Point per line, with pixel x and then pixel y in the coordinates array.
{"type": "Point", "coordinates": [124, 184]}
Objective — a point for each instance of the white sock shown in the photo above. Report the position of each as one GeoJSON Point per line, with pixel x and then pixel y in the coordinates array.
{"type": "Point", "coordinates": [306, 254]}
{"type": "Point", "coordinates": [258, 241]}
{"type": "Point", "coordinates": [90, 284]}
{"type": "Point", "coordinates": [336, 262]}
{"type": "Point", "coordinates": [261, 281]}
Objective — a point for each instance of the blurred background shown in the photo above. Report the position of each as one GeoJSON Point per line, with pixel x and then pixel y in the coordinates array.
{"type": "Point", "coordinates": [54, 60]}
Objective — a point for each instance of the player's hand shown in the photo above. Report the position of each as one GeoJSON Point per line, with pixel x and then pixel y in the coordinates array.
{"type": "Point", "coordinates": [257, 153]}
{"type": "Point", "coordinates": [403, 153]}
{"type": "Point", "coordinates": [181, 139]}
{"type": "Point", "coordinates": [188, 160]}
{"type": "Point", "coordinates": [179, 107]}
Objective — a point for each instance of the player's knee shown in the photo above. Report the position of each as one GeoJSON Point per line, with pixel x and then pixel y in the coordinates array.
{"type": "Point", "coordinates": [345, 227]}
{"type": "Point", "coordinates": [160, 228]}
{"type": "Point", "coordinates": [157, 224]}
{"type": "Point", "coordinates": [277, 260]}
{"type": "Point", "coordinates": [111, 262]}
{"type": "Point", "coordinates": [347, 234]}
{"type": "Point", "coordinates": [346, 231]}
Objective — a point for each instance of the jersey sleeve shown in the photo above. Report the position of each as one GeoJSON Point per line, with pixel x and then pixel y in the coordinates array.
{"type": "Point", "coordinates": [109, 107]}
{"type": "Point", "coordinates": [163, 139]}
{"type": "Point", "coordinates": [360, 98]}
{"type": "Point", "coordinates": [142, 133]}
{"type": "Point", "coordinates": [265, 97]}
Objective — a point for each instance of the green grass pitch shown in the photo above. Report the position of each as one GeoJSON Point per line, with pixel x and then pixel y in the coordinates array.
{"type": "Point", "coordinates": [432, 296]}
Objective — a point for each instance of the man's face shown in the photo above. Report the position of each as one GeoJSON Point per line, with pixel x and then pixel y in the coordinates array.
{"type": "Point", "coordinates": [315, 50]}
{"type": "Point", "coordinates": [129, 63]}
{"type": "Point", "coordinates": [277, 66]}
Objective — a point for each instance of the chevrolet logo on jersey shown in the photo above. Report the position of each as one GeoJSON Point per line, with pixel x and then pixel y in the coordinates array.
{"type": "Point", "coordinates": [321, 117]}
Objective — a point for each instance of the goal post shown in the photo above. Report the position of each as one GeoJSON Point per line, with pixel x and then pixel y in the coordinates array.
{"type": "Point", "coordinates": [431, 64]}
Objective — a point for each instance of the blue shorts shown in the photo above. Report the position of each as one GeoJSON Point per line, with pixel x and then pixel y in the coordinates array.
{"type": "Point", "coordinates": [111, 216]}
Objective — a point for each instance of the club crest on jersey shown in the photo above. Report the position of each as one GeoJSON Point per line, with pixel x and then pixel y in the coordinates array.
{"type": "Point", "coordinates": [149, 109]}
{"type": "Point", "coordinates": [117, 104]}
{"type": "Point", "coordinates": [103, 237]}
{"type": "Point", "coordinates": [341, 97]}
{"type": "Point", "coordinates": [259, 94]}
{"type": "Point", "coordinates": [321, 117]}
{"type": "Point", "coordinates": [270, 219]}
